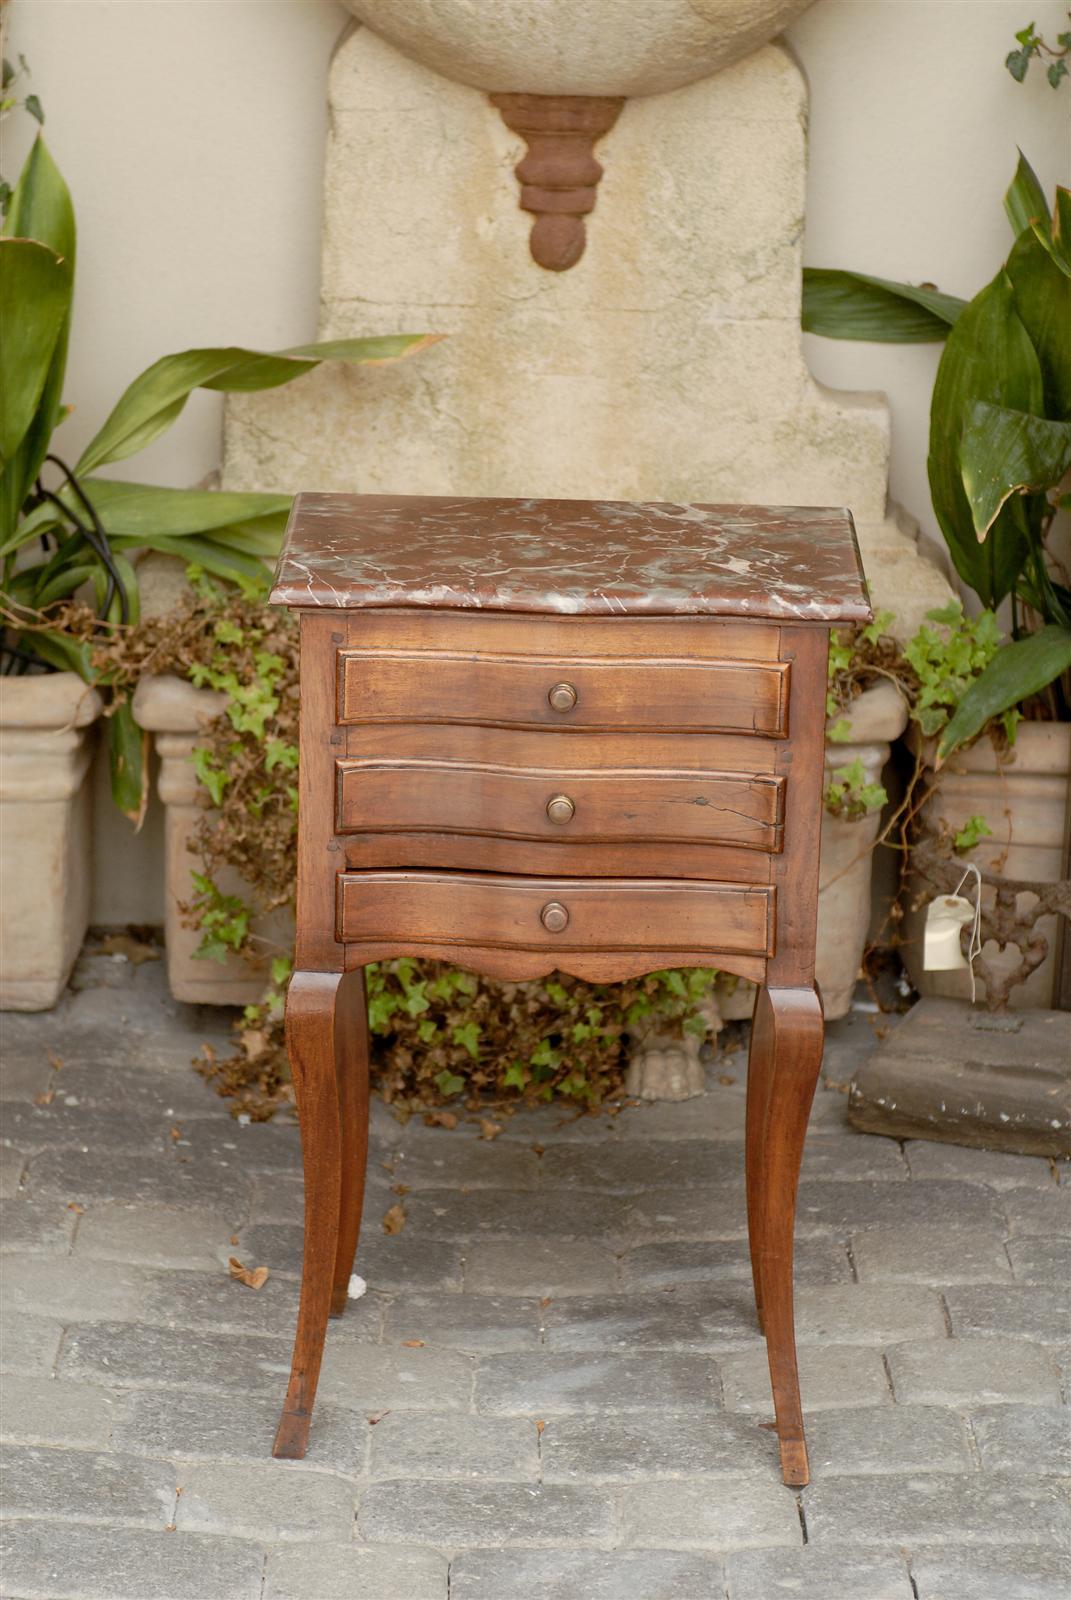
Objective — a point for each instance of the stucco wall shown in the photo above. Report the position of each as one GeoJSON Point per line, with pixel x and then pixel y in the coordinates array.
{"type": "Point", "coordinates": [191, 133]}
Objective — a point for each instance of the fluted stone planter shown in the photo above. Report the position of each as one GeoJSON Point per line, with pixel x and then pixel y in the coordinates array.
{"type": "Point", "coordinates": [176, 714]}
{"type": "Point", "coordinates": [876, 718]}
{"type": "Point", "coordinates": [45, 823]}
{"type": "Point", "coordinates": [1024, 799]}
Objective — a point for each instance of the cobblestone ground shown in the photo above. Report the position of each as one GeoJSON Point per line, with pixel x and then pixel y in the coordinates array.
{"type": "Point", "coordinates": [553, 1386]}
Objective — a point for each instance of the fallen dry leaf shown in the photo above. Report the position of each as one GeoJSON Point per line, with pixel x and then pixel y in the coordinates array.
{"type": "Point", "coordinates": [234, 1238]}
{"type": "Point", "coordinates": [412, 1344]}
{"type": "Point", "coordinates": [254, 1042]}
{"type": "Point", "coordinates": [45, 1098]}
{"type": "Point", "coordinates": [540, 1425]}
{"type": "Point", "coordinates": [78, 1209]}
{"type": "Point", "coordinates": [545, 1302]}
{"type": "Point", "coordinates": [56, 1063]}
{"type": "Point", "coordinates": [539, 1149]}
{"type": "Point", "coordinates": [134, 950]}
{"type": "Point", "coordinates": [488, 1129]}
{"type": "Point", "coordinates": [394, 1219]}
{"type": "Point", "coordinates": [377, 1416]}
{"type": "Point", "coordinates": [726, 1080]}
{"type": "Point", "coordinates": [253, 1277]}
{"type": "Point", "coordinates": [176, 1132]}
{"type": "Point", "coordinates": [440, 1119]}
{"type": "Point", "coordinates": [399, 1188]}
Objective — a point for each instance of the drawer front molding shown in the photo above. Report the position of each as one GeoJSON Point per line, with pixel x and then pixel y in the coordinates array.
{"type": "Point", "coordinates": [518, 691]}
{"type": "Point", "coordinates": [512, 913]}
{"type": "Point", "coordinates": [730, 808]}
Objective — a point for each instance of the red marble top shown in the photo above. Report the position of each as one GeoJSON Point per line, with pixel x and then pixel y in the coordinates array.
{"type": "Point", "coordinates": [572, 557]}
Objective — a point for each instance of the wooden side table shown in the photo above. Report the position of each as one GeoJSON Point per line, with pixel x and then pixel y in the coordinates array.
{"type": "Point", "coordinates": [573, 735]}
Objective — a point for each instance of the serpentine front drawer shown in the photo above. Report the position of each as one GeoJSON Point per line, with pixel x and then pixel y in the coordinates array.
{"type": "Point", "coordinates": [498, 911]}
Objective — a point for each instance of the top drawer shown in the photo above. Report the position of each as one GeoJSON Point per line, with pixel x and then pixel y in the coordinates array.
{"type": "Point", "coordinates": [564, 692]}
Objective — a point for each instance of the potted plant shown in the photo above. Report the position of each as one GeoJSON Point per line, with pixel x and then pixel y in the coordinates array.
{"type": "Point", "coordinates": [70, 536]}
{"type": "Point", "coordinates": [1000, 450]}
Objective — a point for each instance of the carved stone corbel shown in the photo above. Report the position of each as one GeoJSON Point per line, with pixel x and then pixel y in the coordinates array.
{"type": "Point", "coordinates": [559, 173]}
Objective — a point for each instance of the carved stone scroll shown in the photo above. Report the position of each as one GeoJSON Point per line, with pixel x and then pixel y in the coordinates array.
{"type": "Point", "coordinates": [559, 173]}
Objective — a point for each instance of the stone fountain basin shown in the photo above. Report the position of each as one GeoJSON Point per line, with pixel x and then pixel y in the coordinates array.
{"type": "Point", "coordinates": [584, 47]}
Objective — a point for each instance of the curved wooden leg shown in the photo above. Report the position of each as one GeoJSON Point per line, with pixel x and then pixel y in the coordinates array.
{"type": "Point", "coordinates": [787, 1042]}
{"type": "Point", "coordinates": [759, 1063]}
{"type": "Point", "coordinates": [351, 1072]}
{"type": "Point", "coordinates": [312, 1037]}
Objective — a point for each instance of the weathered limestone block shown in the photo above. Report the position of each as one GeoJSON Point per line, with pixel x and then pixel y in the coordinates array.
{"type": "Point", "coordinates": [176, 713]}
{"type": "Point", "coordinates": [45, 822]}
{"type": "Point", "coordinates": [667, 364]}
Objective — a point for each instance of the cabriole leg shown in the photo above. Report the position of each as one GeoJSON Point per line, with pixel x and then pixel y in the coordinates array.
{"type": "Point", "coordinates": [786, 1052]}
{"type": "Point", "coordinates": [321, 1032]}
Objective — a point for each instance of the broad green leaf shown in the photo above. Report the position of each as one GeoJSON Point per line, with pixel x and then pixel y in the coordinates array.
{"type": "Point", "coordinates": [35, 296]}
{"type": "Point", "coordinates": [202, 552]}
{"type": "Point", "coordinates": [135, 508]}
{"type": "Point", "coordinates": [988, 356]}
{"type": "Point", "coordinates": [1061, 228]}
{"type": "Point", "coordinates": [1025, 201]}
{"type": "Point", "coordinates": [853, 305]}
{"type": "Point", "coordinates": [1005, 452]}
{"type": "Point", "coordinates": [153, 401]}
{"type": "Point", "coordinates": [1043, 302]}
{"type": "Point", "coordinates": [1016, 672]}
{"type": "Point", "coordinates": [127, 764]}
{"type": "Point", "coordinates": [40, 209]}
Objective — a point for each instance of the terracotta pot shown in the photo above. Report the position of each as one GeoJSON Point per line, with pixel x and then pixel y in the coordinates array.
{"type": "Point", "coordinates": [1024, 799]}
{"type": "Point", "coordinates": [45, 820]}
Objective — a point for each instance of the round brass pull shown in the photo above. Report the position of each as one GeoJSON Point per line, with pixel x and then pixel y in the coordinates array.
{"type": "Point", "coordinates": [562, 697]}
{"type": "Point", "coordinates": [554, 916]}
{"type": "Point", "coordinates": [560, 808]}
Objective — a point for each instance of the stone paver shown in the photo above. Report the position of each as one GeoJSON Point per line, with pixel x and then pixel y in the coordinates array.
{"type": "Point", "coordinates": [156, 1237]}
{"type": "Point", "coordinates": [818, 1575]}
{"type": "Point", "coordinates": [923, 1509]}
{"type": "Point", "coordinates": [932, 1255]}
{"type": "Point", "coordinates": [830, 1375]}
{"type": "Point", "coordinates": [732, 1514]}
{"type": "Point", "coordinates": [1028, 1439]}
{"type": "Point", "coordinates": [1011, 1311]}
{"type": "Point", "coordinates": [264, 1500]}
{"type": "Point", "coordinates": [972, 1372]}
{"type": "Point", "coordinates": [541, 1269]}
{"type": "Point", "coordinates": [87, 1486]}
{"type": "Point", "coordinates": [592, 1574]}
{"type": "Point", "coordinates": [49, 1411]}
{"type": "Point", "coordinates": [554, 1383]}
{"type": "Point", "coordinates": [484, 1514]}
{"type": "Point", "coordinates": [547, 1383]}
{"type": "Point", "coordinates": [990, 1573]}
{"type": "Point", "coordinates": [345, 1571]}
{"type": "Point", "coordinates": [65, 1561]}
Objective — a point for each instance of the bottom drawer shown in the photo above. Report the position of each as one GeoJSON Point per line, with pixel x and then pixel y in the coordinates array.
{"type": "Point", "coordinates": [467, 908]}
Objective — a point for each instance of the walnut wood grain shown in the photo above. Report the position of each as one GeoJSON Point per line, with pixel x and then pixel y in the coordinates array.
{"type": "Point", "coordinates": [604, 914]}
{"type": "Point", "coordinates": [515, 803]}
{"type": "Point", "coordinates": [695, 639]}
{"type": "Point", "coordinates": [556, 857]}
{"type": "Point", "coordinates": [730, 696]}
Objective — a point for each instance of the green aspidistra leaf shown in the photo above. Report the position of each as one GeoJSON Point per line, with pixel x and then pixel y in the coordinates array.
{"type": "Point", "coordinates": [152, 402]}
{"type": "Point", "coordinates": [1025, 202]}
{"type": "Point", "coordinates": [1005, 452]}
{"type": "Point", "coordinates": [988, 357]}
{"type": "Point", "coordinates": [1016, 672]}
{"type": "Point", "coordinates": [854, 305]}
{"type": "Point", "coordinates": [35, 297]}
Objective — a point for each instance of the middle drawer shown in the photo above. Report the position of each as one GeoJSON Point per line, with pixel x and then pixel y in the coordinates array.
{"type": "Point", "coordinates": [582, 805]}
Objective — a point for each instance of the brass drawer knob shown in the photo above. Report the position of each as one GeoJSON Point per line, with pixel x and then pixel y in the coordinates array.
{"type": "Point", "coordinates": [554, 916]}
{"type": "Point", "coordinates": [562, 697]}
{"type": "Point", "coordinates": [560, 808]}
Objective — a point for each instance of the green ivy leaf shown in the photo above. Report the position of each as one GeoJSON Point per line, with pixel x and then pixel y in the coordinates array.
{"type": "Point", "coordinates": [449, 1084]}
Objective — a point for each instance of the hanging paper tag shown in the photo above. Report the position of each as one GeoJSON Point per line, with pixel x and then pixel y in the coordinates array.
{"type": "Point", "coordinates": [941, 949]}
